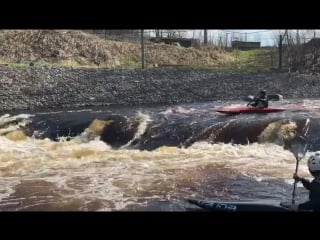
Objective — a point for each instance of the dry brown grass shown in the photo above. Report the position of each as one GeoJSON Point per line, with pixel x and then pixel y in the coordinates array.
{"type": "Point", "coordinates": [73, 47]}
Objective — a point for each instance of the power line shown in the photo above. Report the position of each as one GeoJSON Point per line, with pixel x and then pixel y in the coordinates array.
{"type": "Point", "coordinates": [260, 31]}
{"type": "Point", "coordinates": [248, 32]}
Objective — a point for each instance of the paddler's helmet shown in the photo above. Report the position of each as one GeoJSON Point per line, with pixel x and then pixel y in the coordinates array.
{"type": "Point", "coordinates": [263, 92]}
{"type": "Point", "coordinates": [314, 164]}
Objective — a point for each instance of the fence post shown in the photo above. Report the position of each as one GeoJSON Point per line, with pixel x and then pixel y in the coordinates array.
{"type": "Point", "coordinates": [142, 49]}
{"type": "Point", "coordinates": [205, 37]}
{"type": "Point", "coordinates": [280, 53]}
{"type": "Point", "coordinates": [227, 40]}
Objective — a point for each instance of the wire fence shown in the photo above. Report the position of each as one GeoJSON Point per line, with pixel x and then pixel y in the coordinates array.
{"type": "Point", "coordinates": [135, 35]}
{"type": "Point", "coordinates": [295, 55]}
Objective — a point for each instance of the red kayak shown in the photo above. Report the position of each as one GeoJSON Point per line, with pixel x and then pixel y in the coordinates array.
{"type": "Point", "coordinates": [237, 110]}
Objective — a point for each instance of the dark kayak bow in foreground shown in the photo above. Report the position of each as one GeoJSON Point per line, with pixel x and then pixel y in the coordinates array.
{"type": "Point", "coordinates": [245, 206]}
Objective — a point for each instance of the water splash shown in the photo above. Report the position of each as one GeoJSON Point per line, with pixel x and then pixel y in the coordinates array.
{"type": "Point", "coordinates": [144, 120]}
{"type": "Point", "coordinates": [10, 123]}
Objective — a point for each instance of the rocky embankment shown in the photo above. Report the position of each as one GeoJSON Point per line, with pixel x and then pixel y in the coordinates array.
{"type": "Point", "coordinates": [33, 88]}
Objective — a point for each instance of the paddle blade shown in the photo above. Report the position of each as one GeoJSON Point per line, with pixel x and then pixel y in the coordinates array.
{"type": "Point", "coordinates": [299, 147]}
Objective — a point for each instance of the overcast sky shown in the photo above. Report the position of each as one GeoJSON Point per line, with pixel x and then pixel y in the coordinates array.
{"type": "Point", "coordinates": [267, 37]}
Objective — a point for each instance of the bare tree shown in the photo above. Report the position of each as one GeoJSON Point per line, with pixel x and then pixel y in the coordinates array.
{"type": "Point", "coordinates": [194, 34]}
{"type": "Point", "coordinates": [301, 50]}
{"type": "Point", "coordinates": [157, 31]}
{"type": "Point", "coordinates": [176, 33]}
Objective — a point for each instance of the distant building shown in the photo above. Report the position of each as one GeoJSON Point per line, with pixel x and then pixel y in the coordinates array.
{"type": "Point", "coordinates": [183, 42]}
{"type": "Point", "coordinates": [245, 45]}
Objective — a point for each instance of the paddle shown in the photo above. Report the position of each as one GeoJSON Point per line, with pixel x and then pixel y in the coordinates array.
{"type": "Point", "coordinates": [251, 99]}
{"type": "Point", "coordinates": [270, 97]}
{"type": "Point", "coordinates": [299, 150]}
{"type": "Point", "coordinates": [299, 147]}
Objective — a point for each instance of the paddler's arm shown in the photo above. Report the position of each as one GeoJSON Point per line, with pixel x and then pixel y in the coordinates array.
{"type": "Point", "coordinates": [306, 206]}
{"type": "Point", "coordinates": [309, 205]}
{"type": "Point", "coordinates": [306, 183]}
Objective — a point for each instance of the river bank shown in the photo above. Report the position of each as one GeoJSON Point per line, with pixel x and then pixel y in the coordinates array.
{"type": "Point", "coordinates": [35, 88]}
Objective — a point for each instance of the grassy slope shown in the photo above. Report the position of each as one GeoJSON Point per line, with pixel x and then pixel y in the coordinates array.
{"type": "Point", "coordinates": [257, 60]}
{"type": "Point", "coordinates": [77, 49]}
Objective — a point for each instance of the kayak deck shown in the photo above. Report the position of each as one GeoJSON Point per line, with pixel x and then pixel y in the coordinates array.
{"type": "Point", "coordinates": [237, 110]}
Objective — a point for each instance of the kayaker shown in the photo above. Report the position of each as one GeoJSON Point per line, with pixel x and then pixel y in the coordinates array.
{"type": "Point", "coordinates": [314, 186]}
{"type": "Point", "coordinates": [260, 100]}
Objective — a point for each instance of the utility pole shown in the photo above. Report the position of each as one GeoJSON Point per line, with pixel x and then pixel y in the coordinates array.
{"type": "Point", "coordinates": [227, 40]}
{"type": "Point", "coordinates": [246, 36]}
{"type": "Point", "coordinates": [298, 37]}
{"type": "Point", "coordinates": [142, 49]}
{"type": "Point", "coordinates": [157, 33]}
{"type": "Point", "coordinates": [205, 37]}
{"type": "Point", "coordinates": [280, 52]}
